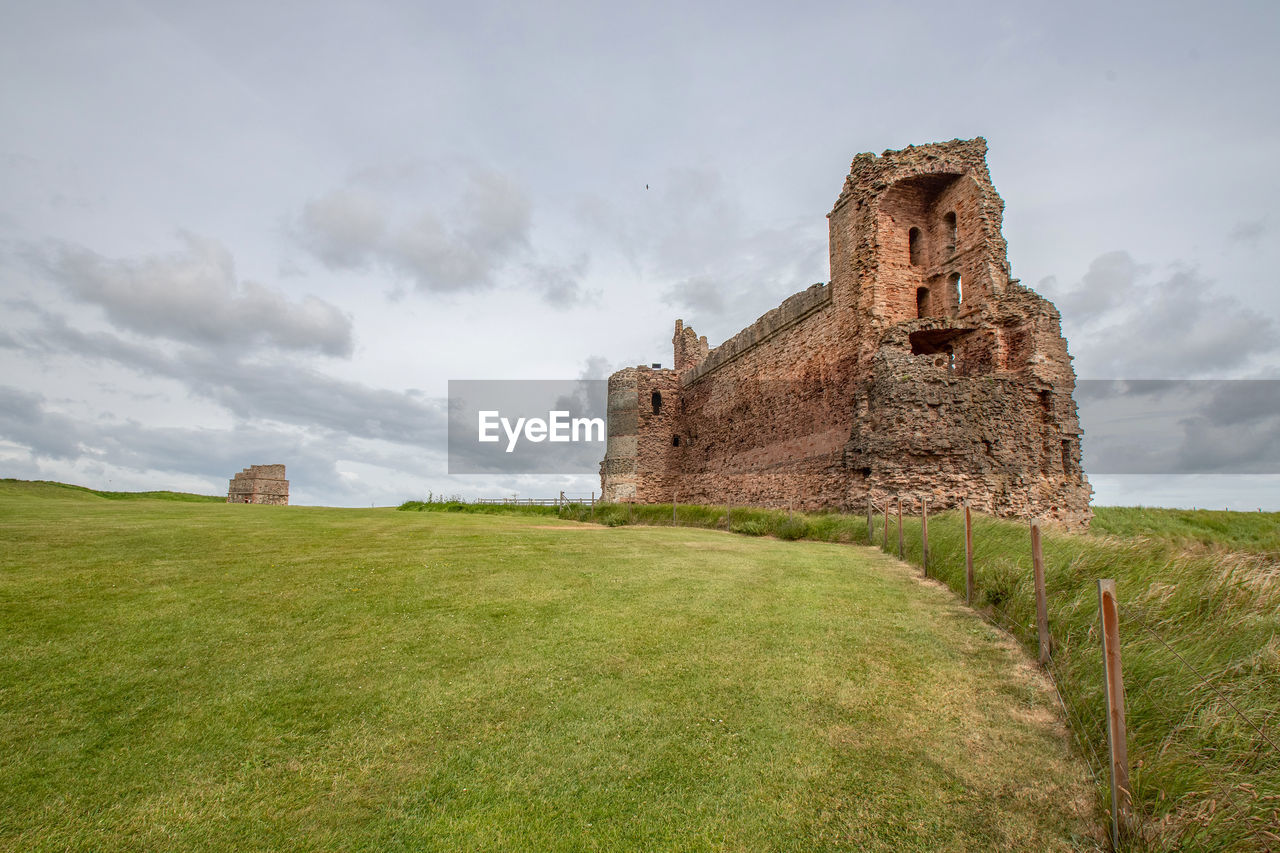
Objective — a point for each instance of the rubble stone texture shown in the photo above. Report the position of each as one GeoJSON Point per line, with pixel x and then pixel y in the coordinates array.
{"type": "Point", "coordinates": [922, 369]}
{"type": "Point", "coordinates": [259, 484]}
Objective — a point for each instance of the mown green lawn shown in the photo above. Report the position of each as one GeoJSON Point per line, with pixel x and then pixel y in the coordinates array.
{"type": "Point", "coordinates": [187, 676]}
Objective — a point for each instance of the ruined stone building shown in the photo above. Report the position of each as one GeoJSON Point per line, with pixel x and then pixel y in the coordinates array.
{"type": "Point", "coordinates": [259, 484]}
{"type": "Point", "coordinates": [920, 369]}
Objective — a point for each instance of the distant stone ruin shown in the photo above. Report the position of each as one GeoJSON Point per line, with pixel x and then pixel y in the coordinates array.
{"type": "Point", "coordinates": [259, 484]}
{"type": "Point", "coordinates": [922, 370]}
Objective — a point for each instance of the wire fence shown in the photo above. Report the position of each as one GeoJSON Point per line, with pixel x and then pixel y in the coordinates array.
{"type": "Point", "coordinates": [1234, 814]}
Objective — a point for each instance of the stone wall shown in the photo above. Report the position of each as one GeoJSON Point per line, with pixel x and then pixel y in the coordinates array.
{"type": "Point", "coordinates": [922, 368]}
{"type": "Point", "coordinates": [259, 484]}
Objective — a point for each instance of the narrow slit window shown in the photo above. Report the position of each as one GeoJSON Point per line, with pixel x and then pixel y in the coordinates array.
{"type": "Point", "coordinates": [922, 302]}
{"type": "Point", "coordinates": [949, 229]}
{"type": "Point", "coordinates": [953, 286]}
{"type": "Point", "coordinates": [914, 249]}
{"type": "Point", "coordinates": [675, 441]}
{"type": "Point", "coordinates": [656, 400]}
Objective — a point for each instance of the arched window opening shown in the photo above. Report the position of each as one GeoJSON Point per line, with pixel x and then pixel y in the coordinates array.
{"type": "Point", "coordinates": [675, 441]}
{"type": "Point", "coordinates": [922, 302]}
{"type": "Point", "coordinates": [959, 290]}
{"type": "Point", "coordinates": [949, 228]}
{"type": "Point", "coordinates": [953, 288]}
{"type": "Point", "coordinates": [656, 400]}
{"type": "Point", "coordinates": [914, 248]}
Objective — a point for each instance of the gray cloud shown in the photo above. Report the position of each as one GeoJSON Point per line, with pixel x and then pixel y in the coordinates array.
{"type": "Point", "coordinates": [763, 268]}
{"type": "Point", "coordinates": [194, 296]}
{"type": "Point", "coordinates": [1124, 320]}
{"type": "Point", "coordinates": [1248, 233]}
{"type": "Point", "coordinates": [1110, 282]}
{"type": "Point", "coordinates": [24, 420]}
{"type": "Point", "coordinates": [1180, 426]}
{"type": "Point", "coordinates": [344, 229]}
{"type": "Point", "coordinates": [459, 249]}
{"type": "Point", "coordinates": [561, 285]}
{"type": "Point", "coordinates": [595, 367]}
{"type": "Point", "coordinates": [720, 266]}
{"type": "Point", "coordinates": [279, 391]}
{"type": "Point", "coordinates": [701, 294]}
{"type": "Point", "coordinates": [299, 395]}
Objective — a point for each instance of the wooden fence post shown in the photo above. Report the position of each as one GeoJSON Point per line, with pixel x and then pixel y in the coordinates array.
{"type": "Point", "coordinates": [871, 524]}
{"type": "Point", "coordinates": [924, 535]}
{"type": "Point", "coordinates": [901, 550]}
{"type": "Point", "coordinates": [1121, 795]}
{"type": "Point", "coordinates": [968, 555]}
{"type": "Point", "coordinates": [673, 509]}
{"type": "Point", "coordinates": [631, 511]}
{"type": "Point", "coordinates": [728, 518]}
{"type": "Point", "coordinates": [885, 544]}
{"type": "Point", "coordinates": [1042, 602]}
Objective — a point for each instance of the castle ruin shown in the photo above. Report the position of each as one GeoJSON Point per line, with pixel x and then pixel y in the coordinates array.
{"type": "Point", "coordinates": [259, 484]}
{"type": "Point", "coordinates": [921, 369]}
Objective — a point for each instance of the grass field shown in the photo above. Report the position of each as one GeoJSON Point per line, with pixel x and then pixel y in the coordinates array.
{"type": "Point", "coordinates": [179, 675]}
{"type": "Point", "coordinates": [1200, 639]}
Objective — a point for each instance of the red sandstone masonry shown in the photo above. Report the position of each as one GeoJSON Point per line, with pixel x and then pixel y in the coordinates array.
{"type": "Point", "coordinates": [259, 484]}
{"type": "Point", "coordinates": [922, 368]}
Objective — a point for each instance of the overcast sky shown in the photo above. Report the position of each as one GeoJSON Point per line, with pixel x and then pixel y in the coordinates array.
{"type": "Point", "coordinates": [238, 233]}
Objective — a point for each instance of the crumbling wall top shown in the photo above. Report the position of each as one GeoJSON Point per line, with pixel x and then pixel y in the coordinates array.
{"type": "Point", "coordinates": [870, 175]}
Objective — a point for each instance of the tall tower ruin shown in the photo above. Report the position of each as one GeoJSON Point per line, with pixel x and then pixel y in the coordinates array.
{"type": "Point", "coordinates": [922, 369]}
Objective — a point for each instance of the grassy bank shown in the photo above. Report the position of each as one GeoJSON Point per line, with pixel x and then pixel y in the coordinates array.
{"type": "Point", "coordinates": [48, 489]}
{"type": "Point", "coordinates": [1202, 585]}
{"type": "Point", "coordinates": [1205, 779]}
{"type": "Point", "coordinates": [227, 676]}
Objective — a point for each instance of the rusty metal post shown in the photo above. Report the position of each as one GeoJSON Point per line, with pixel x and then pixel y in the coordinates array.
{"type": "Point", "coordinates": [924, 535]}
{"type": "Point", "coordinates": [901, 550]}
{"type": "Point", "coordinates": [1042, 602]}
{"type": "Point", "coordinates": [968, 555]}
{"type": "Point", "coordinates": [1121, 795]}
